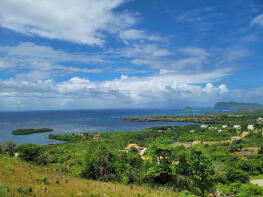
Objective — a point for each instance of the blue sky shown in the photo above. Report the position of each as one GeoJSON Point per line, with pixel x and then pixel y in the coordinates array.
{"type": "Point", "coordinates": [60, 54]}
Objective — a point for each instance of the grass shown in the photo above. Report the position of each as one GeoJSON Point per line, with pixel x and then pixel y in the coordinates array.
{"type": "Point", "coordinates": [18, 178]}
{"type": "Point", "coordinates": [256, 177]}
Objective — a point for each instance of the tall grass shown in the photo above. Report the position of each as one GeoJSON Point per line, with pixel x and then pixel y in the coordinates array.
{"type": "Point", "coordinates": [18, 178]}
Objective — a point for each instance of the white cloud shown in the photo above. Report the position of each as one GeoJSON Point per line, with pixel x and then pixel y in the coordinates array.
{"type": "Point", "coordinates": [34, 62]}
{"type": "Point", "coordinates": [123, 92]}
{"type": "Point", "coordinates": [134, 34]}
{"type": "Point", "coordinates": [258, 20]}
{"type": "Point", "coordinates": [156, 57]}
{"type": "Point", "coordinates": [145, 50]}
{"type": "Point", "coordinates": [235, 53]}
{"type": "Point", "coordinates": [82, 21]}
{"type": "Point", "coordinates": [194, 51]}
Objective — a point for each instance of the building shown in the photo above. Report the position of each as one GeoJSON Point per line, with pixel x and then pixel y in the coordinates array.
{"type": "Point", "coordinates": [235, 138]}
{"type": "Point", "coordinates": [237, 126]}
{"type": "Point", "coordinates": [142, 151]}
{"type": "Point", "coordinates": [224, 126]}
{"type": "Point", "coordinates": [130, 146]}
{"type": "Point", "coordinates": [192, 131]}
{"type": "Point", "coordinates": [196, 142]}
{"type": "Point", "coordinates": [204, 126]}
{"type": "Point", "coordinates": [250, 127]}
{"type": "Point", "coordinates": [244, 134]}
{"type": "Point", "coordinates": [219, 130]}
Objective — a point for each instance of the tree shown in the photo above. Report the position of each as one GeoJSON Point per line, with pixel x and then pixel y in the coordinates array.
{"type": "Point", "coordinates": [2, 148]}
{"type": "Point", "coordinates": [10, 148]}
{"type": "Point", "coordinates": [100, 164]}
{"type": "Point", "coordinates": [234, 175]}
{"type": "Point", "coordinates": [29, 152]}
{"type": "Point", "coordinates": [162, 156]}
{"type": "Point", "coordinates": [201, 170]}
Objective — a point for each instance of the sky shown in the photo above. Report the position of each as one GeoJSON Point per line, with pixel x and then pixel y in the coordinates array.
{"type": "Point", "coordinates": [100, 54]}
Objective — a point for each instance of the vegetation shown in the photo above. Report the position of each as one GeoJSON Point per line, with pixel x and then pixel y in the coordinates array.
{"type": "Point", "coordinates": [18, 178]}
{"type": "Point", "coordinates": [238, 106]}
{"type": "Point", "coordinates": [189, 160]}
{"type": "Point", "coordinates": [188, 108]}
{"type": "Point", "coordinates": [30, 131]}
{"type": "Point", "coordinates": [230, 119]}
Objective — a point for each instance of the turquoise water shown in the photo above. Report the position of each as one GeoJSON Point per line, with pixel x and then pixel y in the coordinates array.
{"type": "Point", "coordinates": [75, 121]}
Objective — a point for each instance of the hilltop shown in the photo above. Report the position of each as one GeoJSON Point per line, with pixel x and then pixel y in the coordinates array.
{"type": "Point", "coordinates": [238, 106]}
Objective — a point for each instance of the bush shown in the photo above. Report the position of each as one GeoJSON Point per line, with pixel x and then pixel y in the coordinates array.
{"type": "Point", "coordinates": [10, 148]}
{"type": "Point", "coordinates": [29, 152]}
{"type": "Point", "coordinates": [234, 175]}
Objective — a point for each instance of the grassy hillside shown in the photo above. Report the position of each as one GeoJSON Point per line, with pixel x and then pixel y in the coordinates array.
{"type": "Point", "coordinates": [18, 178]}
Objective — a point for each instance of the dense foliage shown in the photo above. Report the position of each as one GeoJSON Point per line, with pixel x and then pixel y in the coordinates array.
{"type": "Point", "coordinates": [30, 131]}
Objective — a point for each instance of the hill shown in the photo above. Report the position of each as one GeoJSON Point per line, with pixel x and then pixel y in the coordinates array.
{"type": "Point", "coordinates": [188, 108]}
{"type": "Point", "coordinates": [238, 106]}
{"type": "Point", "coordinates": [18, 178]}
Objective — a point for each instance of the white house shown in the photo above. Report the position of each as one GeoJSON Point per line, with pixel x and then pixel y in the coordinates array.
{"type": "Point", "coordinates": [237, 126]}
{"type": "Point", "coordinates": [204, 126]}
{"type": "Point", "coordinates": [219, 131]}
{"type": "Point", "coordinates": [192, 131]}
{"type": "Point", "coordinates": [260, 119]}
{"type": "Point", "coordinates": [250, 127]}
{"type": "Point", "coordinates": [224, 126]}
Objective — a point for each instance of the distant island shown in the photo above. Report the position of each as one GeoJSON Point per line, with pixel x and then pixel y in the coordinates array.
{"type": "Point", "coordinates": [238, 106]}
{"type": "Point", "coordinates": [30, 131]}
{"type": "Point", "coordinates": [188, 108]}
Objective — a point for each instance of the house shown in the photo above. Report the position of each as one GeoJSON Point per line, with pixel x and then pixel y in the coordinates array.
{"type": "Point", "coordinates": [141, 152]}
{"type": "Point", "coordinates": [235, 138]}
{"type": "Point", "coordinates": [160, 130]}
{"type": "Point", "coordinates": [250, 127]}
{"type": "Point", "coordinates": [196, 142]}
{"type": "Point", "coordinates": [204, 126]}
{"type": "Point", "coordinates": [219, 130]}
{"type": "Point", "coordinates": [244, 134]}
{"type": "Point", "coordinates": [192, 131]}
{"type": "Point", "coordinates": [237, 126]}
{"type": "Point", "coordinates": [130, 146]}
{"type": "Point", "coordinates": [260, 119]}
{"type": "Point", "coordinates": [224, 126]}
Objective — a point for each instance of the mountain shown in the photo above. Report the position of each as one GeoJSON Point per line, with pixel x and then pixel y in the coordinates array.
{"type": "Point", "coordinates": [238, 106]}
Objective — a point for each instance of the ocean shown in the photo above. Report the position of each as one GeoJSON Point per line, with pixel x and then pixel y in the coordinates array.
{"type": "Point", "coordinates": [77, 121]}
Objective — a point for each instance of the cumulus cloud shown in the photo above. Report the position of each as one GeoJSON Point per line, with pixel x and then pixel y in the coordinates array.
{"type": "Point", "coordinates": [121, 92]}
{"type": "Point", "coordinates": [82, 21]}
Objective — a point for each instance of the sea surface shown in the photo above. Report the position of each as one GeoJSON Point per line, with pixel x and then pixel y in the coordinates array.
{"type": "Point", "coordinates": [77, 121]}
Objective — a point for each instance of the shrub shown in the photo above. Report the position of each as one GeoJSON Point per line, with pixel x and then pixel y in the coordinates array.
{"type": "Point", "coordinates": [234, 175]}
{"type": "Point", "coordinates": [29, 152]}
